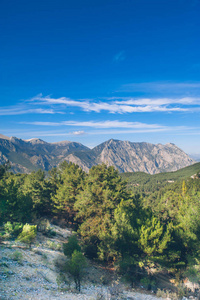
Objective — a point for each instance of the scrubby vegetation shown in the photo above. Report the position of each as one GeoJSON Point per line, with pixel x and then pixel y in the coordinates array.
{"type": "Point", "coordinates": [153, 221]}
{"type": "Point", "coordinates": [28, 234]}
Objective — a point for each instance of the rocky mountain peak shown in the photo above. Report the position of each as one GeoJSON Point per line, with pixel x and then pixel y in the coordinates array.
{"type": "Point", "coordinates": [125, 156]}
{"type": "Point", "coordinates": [4, 137]}
{"type": "Point", "coordinates": [36, 141]}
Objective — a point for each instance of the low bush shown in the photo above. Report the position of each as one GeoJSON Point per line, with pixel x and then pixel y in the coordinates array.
{"type": "Point", "coordinates": [12, 229]}
{"type": "Point", "coordinates": [50, 232]}
{"type": "Point", "coordinates": [148, 283]}
{"type": "Point", "coordinates": [54, 246]}
{"type": "Point", "coordinates": [17, 256]}
{"type": "Point", "coordinates": [28, 234]}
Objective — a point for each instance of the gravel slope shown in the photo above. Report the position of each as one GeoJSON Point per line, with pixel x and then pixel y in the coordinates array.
{"type": "Point", "coordinates": [33, 274]}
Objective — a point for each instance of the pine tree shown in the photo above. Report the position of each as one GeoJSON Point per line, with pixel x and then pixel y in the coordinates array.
{"type": "Point", "coordinates": [76, 268]}
{"type": "Point", "coordinates": [95, 205]}
{"type": "Point", "coordinates": [71, 178]}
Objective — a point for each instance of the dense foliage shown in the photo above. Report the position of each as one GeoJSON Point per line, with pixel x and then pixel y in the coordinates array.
{"type": "Point", "coordinates": [156, 220]}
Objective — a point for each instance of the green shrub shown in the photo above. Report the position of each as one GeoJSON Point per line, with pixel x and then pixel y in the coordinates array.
{"type": "Point", "coordinates": [54, 246]}
{"type": "Point", "coordinates": [71, 246]}
{"type": "Point", "coordinates": [167, 294]}
{"type": "Point", "coordinates": [13, 229]}
{"type": "Point", "coordinates": [148, 283]}
{"type": "Point", "coordinates": [28, 234]}
{"type": "Point", "coordinates": [17, 256]}
{"type": "Point", "coordinates": [50, 232]}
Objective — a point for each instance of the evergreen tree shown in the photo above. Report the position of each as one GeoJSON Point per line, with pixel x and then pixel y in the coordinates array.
{"type": "Point", "coordinates": [154, 237]}
{"type": "Point", "coordinates": [76, 268]}
{"type": "Point", "coordinates": [14, 205]}
{"type": "Point", "coordinates": [71, 245]}
{"type": "Point", "coordinates": [71, 178]}
{"type": "Point", "coordinates": [39, 190]}
{"type": "Point", "coordinates": [95, 205]}
{"type": "Point", "coordinates": [126, 227]}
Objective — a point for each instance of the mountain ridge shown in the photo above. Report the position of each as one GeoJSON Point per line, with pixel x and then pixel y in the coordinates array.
{"type": "Point", "coordinates": [126, 156]}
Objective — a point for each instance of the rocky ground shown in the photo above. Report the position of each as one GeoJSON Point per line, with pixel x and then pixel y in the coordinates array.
{"type": "Point", "coordinates": [34, 274]}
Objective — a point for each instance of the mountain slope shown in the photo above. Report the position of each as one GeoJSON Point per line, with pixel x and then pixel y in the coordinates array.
{"type": "Point", "coordinates": [143, 157]}
{"type": "Point", "coordinates": [34, 154]}
{"type": "Point", "coordinates": [30, 155]}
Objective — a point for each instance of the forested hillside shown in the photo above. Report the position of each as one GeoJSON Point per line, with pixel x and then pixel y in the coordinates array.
{"type": "Point", "coordinates": [155, 222]}
{"type": "Point", "coordinates": [140, 182]}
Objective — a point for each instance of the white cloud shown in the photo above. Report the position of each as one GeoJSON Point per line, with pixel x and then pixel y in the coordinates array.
{"type": "Point", "coordinates": [112, 124]}
{"type": "Point", "coordinates": [94, 124]}
{"type": "Point", "coordinates": [121, 106]}
{"type": "Point", "coordinates": [114, 105]}
{"type": "Point", "coordinates": [80, 132]}
{"type": "Point", "coordinates": [160, 101]}
{"type": "Point", "coordinates": [131, 127]}
{"type": "Point", "coordinates": [166, 87]}
{"type": "Point", "coordinates": [22, 110]}
{"type": "Point", "coordinates": [43, 123]}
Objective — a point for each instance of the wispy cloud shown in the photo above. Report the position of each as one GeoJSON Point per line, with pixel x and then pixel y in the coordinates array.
{"type": "Point", "coordinates": [25, 109]}
{"type": "Point", "coordinates": [137, 126]}
{"type": "Point", "coordinates": [122, 105]}
{"type": "Point", "coordinates": [167, 87]}
{"type": "Point", "coordinates": [102, 124]}
{"type": "Point", "coordinates": [160, 101]}
{"type": "Point", "coordinates": [114, 105]}
{"type": "Point", "coordinates": [112, 124]}
{"type": "Point", "coordinates": [120, 56]}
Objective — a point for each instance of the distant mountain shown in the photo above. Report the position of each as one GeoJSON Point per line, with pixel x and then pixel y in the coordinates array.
{"type": "Point", "coordinates": [144, 157]}
{"type": "Point", "coordinates": [30, 155]}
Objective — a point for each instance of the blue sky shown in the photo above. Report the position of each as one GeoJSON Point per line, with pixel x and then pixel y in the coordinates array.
{"type": "Point", "coordinates": [92, 70]}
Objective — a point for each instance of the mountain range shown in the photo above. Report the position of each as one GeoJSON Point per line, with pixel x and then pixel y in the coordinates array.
{"type": "Point", "coordinates": [31, 155]}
